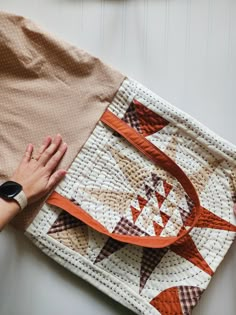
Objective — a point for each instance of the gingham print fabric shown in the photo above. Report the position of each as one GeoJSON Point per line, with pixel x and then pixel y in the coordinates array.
{"type": "Point", "coordinates": [124, 191]}
{"type": "Point", "coordinates": [64, 222]}
{"type": "Point", "coordinates": [188, 297]}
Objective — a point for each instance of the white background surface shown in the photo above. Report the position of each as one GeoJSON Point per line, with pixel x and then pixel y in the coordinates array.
{"type": "Point", "coordinates": [184, 50]}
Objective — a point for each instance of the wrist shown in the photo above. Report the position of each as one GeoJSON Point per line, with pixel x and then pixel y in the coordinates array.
{"type": "Point", "coordinates": [13, 191]}
{"type": "Point", "coordinates": [10, 205]}
{"type": "Point", "coordinates": [26, 187]}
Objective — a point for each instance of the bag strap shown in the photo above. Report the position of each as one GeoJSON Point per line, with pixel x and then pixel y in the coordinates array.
{"type": "Point", "coordinates": [159, 158]}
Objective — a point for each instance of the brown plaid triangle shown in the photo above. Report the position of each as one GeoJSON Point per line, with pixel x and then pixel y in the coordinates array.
{"type": "Point", "coordinates": [150, 259]}
{"type": "Point", "coordinates": [189, 296]}
{"type": "Point", "coordinates": [125, 227]}
{"type": "Point", "coordinates": [131, 118]}
{"type": "Point", "coordinates": [63, 222]}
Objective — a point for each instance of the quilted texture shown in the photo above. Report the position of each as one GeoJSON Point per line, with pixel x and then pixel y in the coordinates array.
{"type": "Point", "coordinates": [128, 194]}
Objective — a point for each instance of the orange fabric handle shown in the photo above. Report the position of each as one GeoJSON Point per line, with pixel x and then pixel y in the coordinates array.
{"type": "Point", "coordinates": [76, 211]}
{"type": "Point", "coordinates": [150, 151]}
{"type": "Point", "coordinates": [159, 158]}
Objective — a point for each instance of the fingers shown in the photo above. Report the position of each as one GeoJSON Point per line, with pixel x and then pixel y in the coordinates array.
{"type": "Point", "coordinates": [55, 159]}
{"type": "Point", "coordinates": [50, 150]}
{"type": "Point", "coordinates": [30, 148]}
{"type": "Point", "coordinates": [28, 153]}
{"type": "Point", "coordinates": [55, 178]}
{"type": "Point", "coordinates": [38, 177]}
{"type": "Point", "coordinates": [46, 142]}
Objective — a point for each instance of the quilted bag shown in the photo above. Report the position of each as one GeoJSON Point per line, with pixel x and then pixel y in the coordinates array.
{"type": "Point", "coordinates": [145, 212]}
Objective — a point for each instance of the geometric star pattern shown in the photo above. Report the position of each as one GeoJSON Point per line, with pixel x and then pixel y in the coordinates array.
{"type": "Point", "coordinates": [185, 248]}
{"type": "Point", "coordinates": [152, 257]}
{"type": "Point", "coordinates": [170, 208]}
{"type": "Point", "coordinates": [164, 212]}
{"type": "Point", "coordinates": [138, 117]}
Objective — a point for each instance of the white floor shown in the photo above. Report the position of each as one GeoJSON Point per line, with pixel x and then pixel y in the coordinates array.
{"type": "Point", "coordinates": [185, 51]}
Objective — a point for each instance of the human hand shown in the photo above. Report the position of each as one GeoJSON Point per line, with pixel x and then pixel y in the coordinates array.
{"type": "Point", "coordinates": [37, 173]}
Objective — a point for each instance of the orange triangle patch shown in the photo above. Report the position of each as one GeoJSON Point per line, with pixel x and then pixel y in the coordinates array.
{"type": "Point", "coordinates": [149, 121]}
{"type": "Point", "coordinates": [160, 199]}
{"type": "Point", "coordinates": [165, 217]}
{"type": "Point", "coordinates": [142, 202]}
{"type": "Point", "coordinates": [210, 220]}
{"type": "Point", "coordinates": [135, 213]}
{"type": "Point", "coordinates": [167, 302]}
{"type": "Point", "coordinates": [167, 188]}
{"type": "Point", "coordinates": [157, 228]}
{"type": "Point", "coordinates": [187, 249]}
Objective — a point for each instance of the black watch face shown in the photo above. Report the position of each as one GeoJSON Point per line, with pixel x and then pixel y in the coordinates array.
{"type": "Point", "coordinates": [10, 189]}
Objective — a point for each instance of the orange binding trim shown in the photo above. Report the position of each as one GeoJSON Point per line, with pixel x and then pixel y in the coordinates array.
{"type": "Point", "coordinates": [158, 157]}
{"type": "Point", "coordinates": [76, 211]}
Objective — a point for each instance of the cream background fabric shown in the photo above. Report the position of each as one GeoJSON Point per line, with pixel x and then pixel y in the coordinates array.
{"type": "Point", "coordinates": [185, 52]}
{"type": "Point", "coordinates": [105, 179]}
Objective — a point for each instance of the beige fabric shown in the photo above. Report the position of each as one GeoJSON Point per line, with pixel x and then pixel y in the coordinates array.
{"type": "Point", "coordinates": [47, 87]}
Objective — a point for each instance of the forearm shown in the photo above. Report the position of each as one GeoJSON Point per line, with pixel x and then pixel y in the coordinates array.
{"type": "Point", "coordinates": [8, 209]}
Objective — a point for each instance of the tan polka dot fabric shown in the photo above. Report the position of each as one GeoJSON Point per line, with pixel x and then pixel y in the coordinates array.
{"type": "Point", "coordinates": [47, 87]}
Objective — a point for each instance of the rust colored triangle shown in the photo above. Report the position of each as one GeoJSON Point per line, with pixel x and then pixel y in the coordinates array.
{"type": "Point", "coordinates": [135, 213]}
{"type": "Point", "coordinates": [187, 249]}
{"type": "Point", "coordinates": [210, 220]}
{"type": "Point", "coordinates": [149, 121]}
{"type": "Point", "coordinates": [167, 188]}
{"type": "Point", "coordinates": [165, 217]}
{"type": "Point", "coordinates": [167, 302]}
{"type": "Point", "coordinates": [160, 199]}
{"type": "Point", "coordinates": [157, 228]}
{"type": "Point", "coordinates": [142, 202]}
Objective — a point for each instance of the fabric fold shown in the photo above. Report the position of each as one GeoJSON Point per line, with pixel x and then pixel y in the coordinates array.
{"type": "Point", "coordinates": [47, 87]}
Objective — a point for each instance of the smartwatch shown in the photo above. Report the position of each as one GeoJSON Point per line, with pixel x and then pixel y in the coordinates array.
{"type": "Point", "coordinates": [13, 191]}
